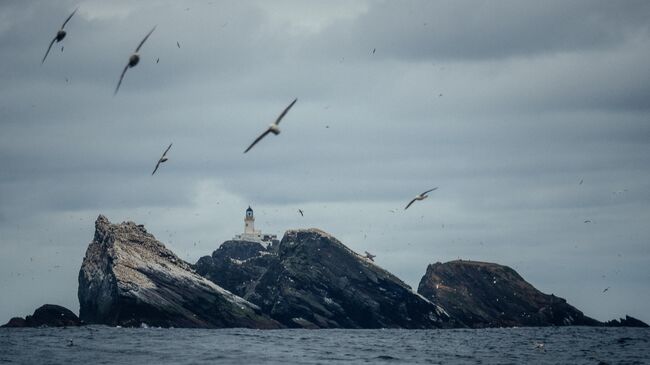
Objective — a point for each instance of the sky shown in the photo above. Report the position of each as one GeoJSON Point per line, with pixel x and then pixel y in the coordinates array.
{"type": "Point", "coordinates": [532, 119]}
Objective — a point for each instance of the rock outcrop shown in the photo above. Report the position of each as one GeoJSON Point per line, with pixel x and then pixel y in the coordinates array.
{"type": "Point", "coordinates": [628, 321]}
{"type": "Point", "coordinates": [235, 265]}
{"type": "Point", "coordinates": [311, 280]}
{"type": "Point", "coordinates": [482, 294]}
{"type": "Point", "coordinates": [128, 278]}
{"type": "Point", "coordinates": [48, 315]}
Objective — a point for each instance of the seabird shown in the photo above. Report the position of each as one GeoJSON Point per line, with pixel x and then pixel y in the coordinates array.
{"type": "Point", "coordinates": [59, 36]}
{"type": "Point", "coordinates": [581, 181]}
{"type": "Point", "coordinates": [370, 256]}
{"type": "Point", "coordinates": [420, 197]}
{"type": "Point", "coordinates": [133, 60]}
{"type": "Point", "coordinates": [606, 289]}
{"type": "Point", "coordinates": [588, 221]}
{"type": "Point", "coordinates": [300, 211]}
{"type": "Point", "coordinates": [273, 128]}
{"type": "Point", "coordinates": [162, 159]}
{"type": "Point", "coordinates": [178, 44]}
{"type": "Point", "coordinates": [373, 50]}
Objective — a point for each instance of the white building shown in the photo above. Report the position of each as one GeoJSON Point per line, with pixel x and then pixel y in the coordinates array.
{"type": "Point", "coordinates": [251, 234]}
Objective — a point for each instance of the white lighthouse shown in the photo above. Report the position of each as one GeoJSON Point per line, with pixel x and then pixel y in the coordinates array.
{"type": "Point", "coordinates": [250, 234]}
{"type": "Point", "coordinates": [249, 222]}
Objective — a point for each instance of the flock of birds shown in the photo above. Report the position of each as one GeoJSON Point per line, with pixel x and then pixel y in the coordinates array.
{"type": "Point", "coordinates": [134, 59]}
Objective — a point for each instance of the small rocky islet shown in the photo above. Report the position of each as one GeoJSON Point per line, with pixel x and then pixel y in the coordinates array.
{"type": "Point", "coordinates": [308, 279]}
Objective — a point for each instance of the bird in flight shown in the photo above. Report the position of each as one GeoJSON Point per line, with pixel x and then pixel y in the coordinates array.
{"type": "Point", "coordinates": [588, 221]}
{"type": "Point", "coordinates": [178, 44]}
{"type": "Point", "coordinates": [59, 36]}
{"type": "Point", "coordinates": [273, 128]}
{"type": "Point", "coordinates": [301, 213]}
{"type": "Point", "coordinates": [420, 197]}
{"type": "Point", "coordinates": [370, 256]}
{"type": "Point", "coordinates": [133, 60]}
{"type": "Point", "coordinates": [162, 159]}
{"type": "Point", "coordinates": [606, 289]}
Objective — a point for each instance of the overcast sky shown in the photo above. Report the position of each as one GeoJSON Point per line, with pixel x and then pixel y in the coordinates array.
{"type": "Point", "coordinates": [506, 106]}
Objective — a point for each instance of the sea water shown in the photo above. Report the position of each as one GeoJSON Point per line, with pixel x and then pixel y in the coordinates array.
{"type": "Point", "coordinates": [110, 345]}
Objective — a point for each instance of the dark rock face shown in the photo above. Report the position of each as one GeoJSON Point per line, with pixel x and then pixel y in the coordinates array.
{"type": "Point", "coordinates": [128, 278]}
{"type": "Point", "coordinates": [483, 294]}
{"type": "Point", "coordinates": [16, 322]}
{"type": "Point", "coordinates": [311, 280]}
{"type": "Point", "coordinates": [235, 265]}
{"type": "Point", "coordinates": [48, 315]}
{"type": "Point", "coordinates": [628, 321]}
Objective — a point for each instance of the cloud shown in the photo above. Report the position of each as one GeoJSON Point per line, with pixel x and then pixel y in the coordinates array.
{"type": "Point", "coordinates": [470, 30]}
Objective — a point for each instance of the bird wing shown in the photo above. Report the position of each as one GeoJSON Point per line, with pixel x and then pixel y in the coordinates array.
{"type": "Point", "coordinates": [163, 155]}
{"type": "Point", "coordinates": [409, 204]}
{"type": "Point", "coordinates": [257, 140]}
{"type": "Point", "coordinates": [284, 112]}
{"type": "Point", "coordinates": [67, 20]}
{"type": "Point", "coordinates": [145, 38]}
{"type": "Point", "coordinates": [430, 190]}
{"type": "Point", "coordinates": [156, 169]}
{"type": "Point", "coordinates": [48, 50]}
{"type": "Point", "coordinates": [121, 77]}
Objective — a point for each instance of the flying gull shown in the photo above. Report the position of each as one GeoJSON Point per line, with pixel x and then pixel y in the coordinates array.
{"type": "Point", "coordinates": [420, 197]}
{"type": "Point", "coordinates": [273, 128]}
{"type": "Point", "coordinates": [301, 213]}
{"type": "Point", "coordinates": [162, 159]}
{"type": "Point", "coordinates": [133, 60]}
{"type": "Point", "coordinates": [370, 256]}
{"type": "Point", "coordinates": [59, 36]}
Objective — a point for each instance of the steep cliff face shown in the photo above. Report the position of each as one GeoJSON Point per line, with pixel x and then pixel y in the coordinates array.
{"type": "Point", "coordinates": [314, 281]}
{"type": "Point", "coordinates": [128, 278]}
{"type": "Point", "coordinates": [483, 294]}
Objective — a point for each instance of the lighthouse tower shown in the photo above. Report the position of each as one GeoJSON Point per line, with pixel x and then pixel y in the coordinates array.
{"type": "Point", "coordinates": [249, 222]}
{"type": "Point", "coordinates": [252, 235]}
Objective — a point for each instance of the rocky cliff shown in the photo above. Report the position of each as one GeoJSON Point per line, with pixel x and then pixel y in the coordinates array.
{"type": "Point", "coordinates": [312, 280]}
{"type": "Point", "coordinates": [128, 278]}
{"type": "Point", "coordinates": [482, 294]}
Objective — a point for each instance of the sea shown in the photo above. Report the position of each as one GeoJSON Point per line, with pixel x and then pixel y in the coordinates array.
{"type": "Point", "coordinates": [111, 345]}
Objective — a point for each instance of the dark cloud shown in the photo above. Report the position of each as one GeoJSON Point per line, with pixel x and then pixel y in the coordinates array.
{"type": "Point", "coordinates": [469, 30]}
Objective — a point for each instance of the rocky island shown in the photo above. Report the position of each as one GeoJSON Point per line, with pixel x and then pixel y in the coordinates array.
{"type": "Point", "coordinates": [308, 279]}
{"type": "Point", "coordinates": [312, 280]}
{"type": "Point", "coordinates": [129, 278]}
{"type": "Point", "coordinates": [482, 294]}
{"type": "Point", "coordinates": [48, 315]}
